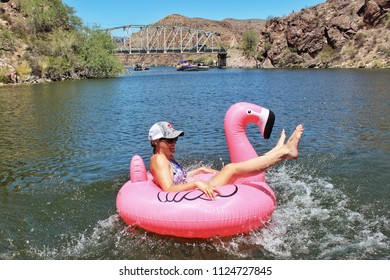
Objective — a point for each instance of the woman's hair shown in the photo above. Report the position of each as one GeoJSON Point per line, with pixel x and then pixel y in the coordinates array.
{"type": "Point", "coordinates": [154, 146]}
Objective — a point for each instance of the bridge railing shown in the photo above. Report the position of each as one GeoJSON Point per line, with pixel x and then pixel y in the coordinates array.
{"type": "Point", "coordinates": [165, 39]}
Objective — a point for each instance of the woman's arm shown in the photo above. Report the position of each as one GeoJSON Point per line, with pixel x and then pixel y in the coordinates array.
{"type": "Point", "coordinates": [162, 174]}
{"type": "Point", "coordinates": [201, 170]}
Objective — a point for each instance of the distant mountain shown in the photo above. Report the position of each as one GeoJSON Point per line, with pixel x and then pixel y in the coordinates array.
{"type": "Point", "coordinates": [230, 30]}
{"type": "Point", "coordinates": [337, 33]}
{"type": "Point", "coordinates": [230, 33]}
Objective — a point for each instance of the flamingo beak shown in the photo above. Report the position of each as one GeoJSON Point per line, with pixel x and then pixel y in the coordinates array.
{"type": "Point", "coordinates": [266, 121]}
{"type": "Point", "coordinates": [269, 125]}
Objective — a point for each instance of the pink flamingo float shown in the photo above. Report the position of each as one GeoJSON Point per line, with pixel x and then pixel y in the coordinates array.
{"type": "Point", "coordinates": [239, 208]}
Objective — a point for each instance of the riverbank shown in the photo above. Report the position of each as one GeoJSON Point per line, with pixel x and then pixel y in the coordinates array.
{"type": "Point", "coordinates": [334, 34]}
{"type": "Point", "coordinates": [43, 40]}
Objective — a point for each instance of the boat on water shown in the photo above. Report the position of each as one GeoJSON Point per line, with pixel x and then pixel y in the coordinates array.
{"type": "Point", "coordinates": [139, 67]}
{"type": "Point", "coordinates": [187, 65]}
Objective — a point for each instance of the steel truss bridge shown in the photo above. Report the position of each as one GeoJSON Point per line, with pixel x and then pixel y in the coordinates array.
{"type": "Point", "coordinates": [160, 39]}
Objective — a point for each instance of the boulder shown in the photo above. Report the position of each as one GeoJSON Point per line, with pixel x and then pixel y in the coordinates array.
{"type": "Point", "coordinates": [373, 10]}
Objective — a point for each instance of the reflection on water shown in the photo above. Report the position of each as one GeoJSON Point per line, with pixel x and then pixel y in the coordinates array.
{"type": "Point", "coordinates": [65, 149]}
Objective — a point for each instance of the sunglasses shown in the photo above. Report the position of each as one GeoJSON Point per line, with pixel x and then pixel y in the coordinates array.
{"type": "Point", "coordinates": [169, 140]}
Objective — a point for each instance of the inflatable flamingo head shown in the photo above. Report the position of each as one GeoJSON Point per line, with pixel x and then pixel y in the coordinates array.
{"type": "Point", "coordinates": [237, 118]}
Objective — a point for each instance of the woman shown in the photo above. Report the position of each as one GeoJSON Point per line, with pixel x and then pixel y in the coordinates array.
{"type": "Point", "coordinates": [172, 177]}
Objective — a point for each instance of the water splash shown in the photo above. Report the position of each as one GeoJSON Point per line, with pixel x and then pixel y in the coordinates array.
{"type": "Point", "coordinates": [313, 220]}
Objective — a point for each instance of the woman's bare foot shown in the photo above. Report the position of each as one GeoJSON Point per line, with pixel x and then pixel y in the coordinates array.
{"type": "Point", "coordinates": [280, 142]}
{"type": "Point", "coordinates": [293, 141]}
{"type": "Point", "coordinates": [281, 139]}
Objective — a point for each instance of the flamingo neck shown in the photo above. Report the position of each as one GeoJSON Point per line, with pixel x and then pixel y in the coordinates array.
{"type": "Point", "coordinates": [240, 149]}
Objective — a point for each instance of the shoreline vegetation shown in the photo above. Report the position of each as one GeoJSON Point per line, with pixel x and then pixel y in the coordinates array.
{"type": "Point", "coordinates": [43, 41]}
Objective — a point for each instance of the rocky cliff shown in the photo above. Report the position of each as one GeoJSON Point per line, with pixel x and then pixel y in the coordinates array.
{"type": "Point", "coordinates": [336, 33]}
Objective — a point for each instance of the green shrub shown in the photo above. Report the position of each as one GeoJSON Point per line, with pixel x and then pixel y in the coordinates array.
{"type": "Point", "coordinates": [97, 54]}
{"type": "Point", "coordinates": [21, 30]}
{"type": "Point", "coordinates": [4, 74]}
{"type": "Point", "coordinates": [6, 17]}
{"type": "Point", "coordinates": [267, 44]}
{"type": "Point", "coordinates": [377, 63]}
{"type": "Point", "coordinates": [290, 60]}
{"type": "Point", "coordinates": [63, 43]}
{"type": "Point", "coordinates": [350, 51]}
{"type": "Point", "coordinates": [57, 68]}
{"type": "Point", "coordinates": [250, 42]}
{"type": "Point", "coordinates": [327, 54]}
{"type": "Point", "coordinates": [293, 49]}
{"type": "Point", "coordinates": [39, 65]}
{"type": "Point", "coordinates": [23, 69]}
{"type": "Point", "coordinates": [58, 44]}
{"type": "Point", "coordinates": [7, 42]}
{"type": "Point", "coordinates": [47, 15]}
{"type": "Point", "coordinates": [360, 38]}
{"type": "Point", "coordinates": [384, 49]}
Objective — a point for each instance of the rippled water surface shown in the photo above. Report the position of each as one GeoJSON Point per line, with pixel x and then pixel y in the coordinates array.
{"type": "Point", "coordinates": [65, 149]}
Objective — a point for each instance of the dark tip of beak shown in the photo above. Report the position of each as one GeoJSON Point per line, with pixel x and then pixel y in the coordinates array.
{"type": "Point", "coordinates": [269, 125]}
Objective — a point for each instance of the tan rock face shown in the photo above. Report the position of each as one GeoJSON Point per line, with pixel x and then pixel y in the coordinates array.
{"type": "Point", "coordinates": [328, 34]}
{"type": "Point", "coordinates": [373, 10]}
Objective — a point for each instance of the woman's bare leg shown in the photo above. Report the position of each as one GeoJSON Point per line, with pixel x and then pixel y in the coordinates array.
{"type": "Point", "coordinates": [257, 165]}
{"type": "Point", "coordinates": [280, 143]}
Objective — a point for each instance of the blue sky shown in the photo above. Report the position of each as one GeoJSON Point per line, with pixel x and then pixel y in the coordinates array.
{"type": "Point", "coordinates": [114, 13]}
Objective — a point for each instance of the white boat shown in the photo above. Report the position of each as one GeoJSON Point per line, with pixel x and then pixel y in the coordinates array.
{"type": "Point", "coordinates": [186, 65]}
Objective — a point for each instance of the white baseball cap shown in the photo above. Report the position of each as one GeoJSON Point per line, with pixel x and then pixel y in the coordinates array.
{"type": "Point", "coordinates": [163, 130]}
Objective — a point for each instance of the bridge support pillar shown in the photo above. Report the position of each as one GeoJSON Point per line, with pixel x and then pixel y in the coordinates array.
{"type": "Point", "coordinates": [222, 60]}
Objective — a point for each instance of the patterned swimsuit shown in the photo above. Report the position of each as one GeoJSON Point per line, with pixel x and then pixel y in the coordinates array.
{"type": "Point", "coordinates": [179, 173]}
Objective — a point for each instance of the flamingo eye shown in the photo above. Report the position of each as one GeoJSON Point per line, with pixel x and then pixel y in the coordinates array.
{"type": "Point", "coordinates": [249, 111]}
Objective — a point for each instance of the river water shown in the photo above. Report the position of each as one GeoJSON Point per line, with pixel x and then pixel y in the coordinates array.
{"type": "Point", "coordinates": [65, 149]}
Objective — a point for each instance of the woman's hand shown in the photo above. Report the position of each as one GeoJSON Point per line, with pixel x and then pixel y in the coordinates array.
{"type": "Point", "coordinates": [209, 190]}
{"type": "Point", "coordinates": [202, 170]}
{"type": "Point", "coordinates": [205, 169]}
{"type": "Point", "coordinates": [162, 173]}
